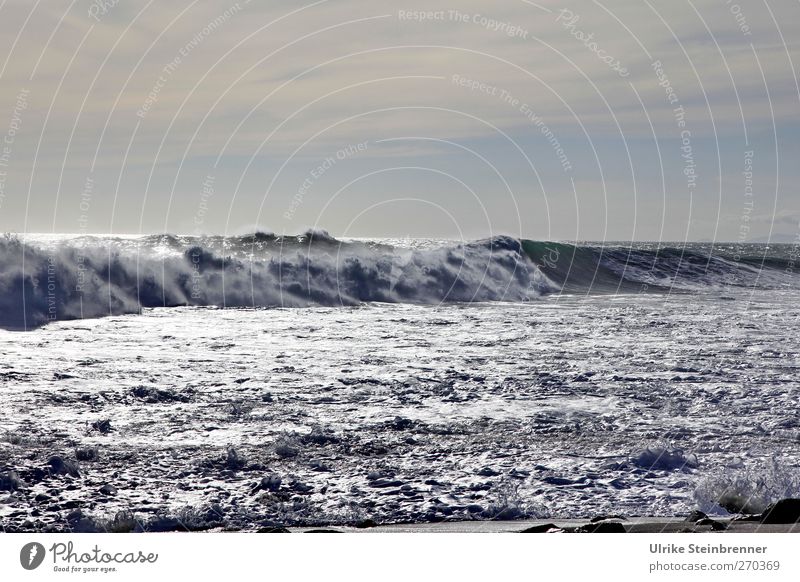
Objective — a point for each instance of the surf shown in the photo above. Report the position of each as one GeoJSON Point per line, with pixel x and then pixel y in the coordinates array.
{"type": "Point", "coordinates": [45, 279]}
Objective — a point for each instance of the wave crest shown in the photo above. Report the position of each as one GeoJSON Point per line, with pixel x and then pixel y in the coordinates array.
{"type": "Point", "coordinates": [65, 281]}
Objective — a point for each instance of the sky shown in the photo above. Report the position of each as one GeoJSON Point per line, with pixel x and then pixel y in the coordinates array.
{"type": "Point", "coordinates": [593, 120]}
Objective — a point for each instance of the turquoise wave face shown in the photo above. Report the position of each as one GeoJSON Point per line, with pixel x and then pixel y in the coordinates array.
{"type": "Point", "coordinates": [650, 267]}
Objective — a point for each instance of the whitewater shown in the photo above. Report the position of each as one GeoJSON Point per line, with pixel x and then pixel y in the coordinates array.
{"type": "Point", "coordinates": [52, 278]}
{"type": "Point", "coordinates": [173, 382]}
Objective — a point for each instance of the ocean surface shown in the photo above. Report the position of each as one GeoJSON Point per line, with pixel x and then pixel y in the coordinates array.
{"type": "Point", "coordinates": [167, 382]}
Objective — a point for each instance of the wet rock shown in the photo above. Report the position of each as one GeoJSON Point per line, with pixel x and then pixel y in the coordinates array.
{"type": "Point", "coordinates": [319, 466]}
{"type": "Point", "coordinates": [269, 483]}
{"type": "Point", "coordinates": [544, 528]}
{"type": "Point", "coordinates": [61, 466]}
{"type": "Point", "coordinates": [783, 511]}
{"type": "Point", "coordinates": [108, 489]}
{"type": "Point", "coordinates": [87, 453]}
{"type": "Point", "coordinates": [286, 448]}
{"type": "Point", "coordinates": [152, 395]}
{"type": "Point", "coordinates": [35, 475]}
{"type": "Point", "coordinates": [696, 515]}
{"type": "Point", "coordinates": [735, 503]}
{"type": "Point", "coordinates": [602, 527]}
{"type": "Point", "coordinates": [664, 459]}
{"type": "Point", "coordinates": [504, 514]}
{"type": "Point", "coordinates": [123, 522]}
{"type": "Point", "coordinates": [300, 487]}
{"type": "Point", "coordinates": [401, 423]}
{"type": "Point", "coordinates": [234, 461]}
{"type": "Point", "coordinates": [10, 481]}
{"type": "Point", "coordinates": [715, 525]}
{"type": "Point", "coordinates": [319, 436]}
{"type": "Point", "coordinates": [102, 426]}
{"type": "Point", "coordinates": [80, 523]}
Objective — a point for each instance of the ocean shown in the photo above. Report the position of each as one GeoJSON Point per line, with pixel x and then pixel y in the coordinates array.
{"type": "Point", "coordinates": [175, 382]}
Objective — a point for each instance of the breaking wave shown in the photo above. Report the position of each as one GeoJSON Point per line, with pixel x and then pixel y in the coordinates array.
{"type": "Point", "coordinates": [43, 280]}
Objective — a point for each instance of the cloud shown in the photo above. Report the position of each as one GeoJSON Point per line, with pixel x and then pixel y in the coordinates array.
{"type": "Point", "coordinates": [182, 84]}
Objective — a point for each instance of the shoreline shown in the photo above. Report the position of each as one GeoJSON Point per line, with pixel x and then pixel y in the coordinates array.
{"type": "Point", "coordinates": [632, 525]}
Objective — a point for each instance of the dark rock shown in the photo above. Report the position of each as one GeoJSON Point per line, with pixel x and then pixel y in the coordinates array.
{"type": "Point", "coordinates": [660, 459]}
{"type": "Point", "coordinates": [319, 466]}
{"type": "Point", "coordinates": [285, 448]}
{"type": "Point", "coordinates": [783, 511]}
{"type": "Point", "coordinates": [319, 436]}
{"type": "Point", "coordinates": [270, 483]}
{"type": "Point", "coordinates": [153, 395]}
{"type": "Point", "coordinates": [488, 472]}
{"type": "Point", "coordinates": [602, 527]}
{"type": "Point", "coordinates": [735, 503]}
{"type": "Point", "coordinates": [61, 466]}
{"type": "Point", "coordinates": [123, 522]}
{"type": "Point", "coordinates": [544, 528]}
{"type": "Point", "coordinates": [715, 525]}
{"type": "Point", "coordinates": [275, 529]}
{"type": "Point", "coordinates": [35, 475]}
{"type": "Point", "coordinates": [696, 515]}
{"type": "Point", "coordinates": [234, 461]}
{"type": "Point", "coordinates": [508, 513]}
{"type": "Point", "coordinates": [108, 489]}
{"type": "Point", "coordinates": [87, 453]}
{"type": "Point", "coordinates": [401, 423]}
{"type": "Point", "coordinates": [80, 523]}
{"type": "Point", "coordinates": [322, 531]}
{"type": "Point", "coordinates": [366, 524]}
{"type": "Point", "coordinates": [102, 426]}
{"type": "Point", "coordinates": [10, 481]}
{"type": "Point", "coordinates": [300, 487]}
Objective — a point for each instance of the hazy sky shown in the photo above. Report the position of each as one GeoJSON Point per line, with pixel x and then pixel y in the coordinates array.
{"type": "Point", "coordinates": [616, 120]}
